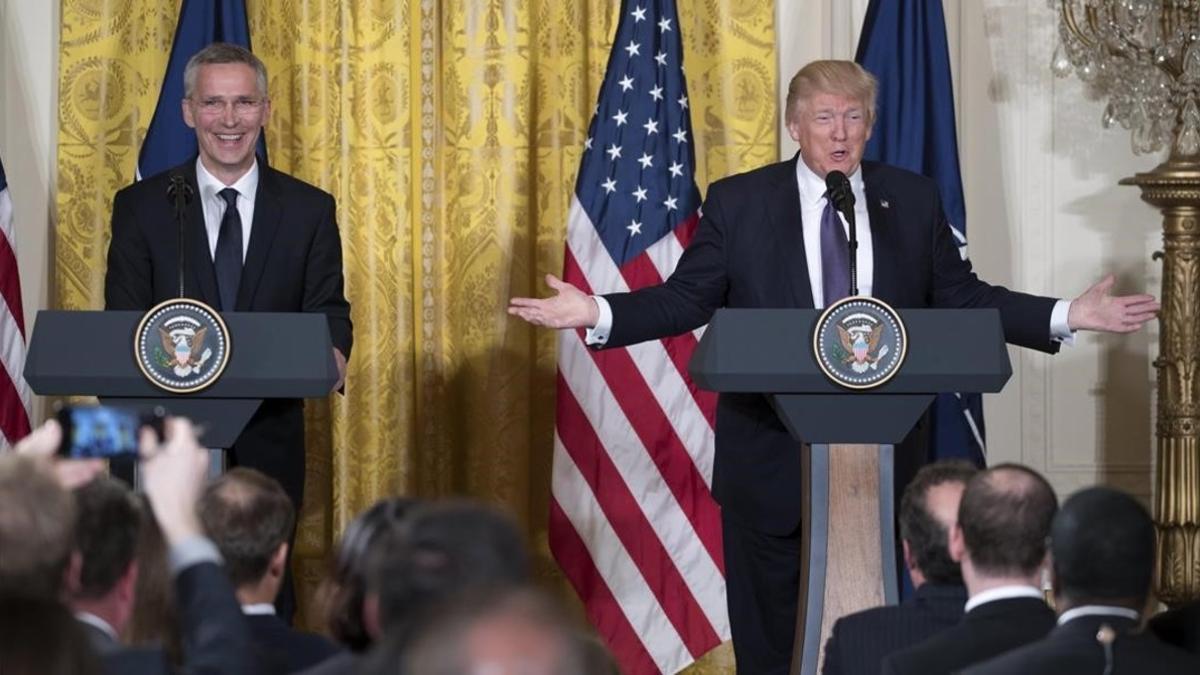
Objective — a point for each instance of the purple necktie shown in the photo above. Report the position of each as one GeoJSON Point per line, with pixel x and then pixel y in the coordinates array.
{"type": "Point", "coordinates": [835, 256]}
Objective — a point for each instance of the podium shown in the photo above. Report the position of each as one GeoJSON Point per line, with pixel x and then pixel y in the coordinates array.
{"type": "Point", "coordinates": [848, 528]}
{"type": "Point", "coordinates": [272, 355]}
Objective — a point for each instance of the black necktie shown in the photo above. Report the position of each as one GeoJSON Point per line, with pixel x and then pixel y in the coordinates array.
{"type": "Point", "coordinates": [227, 260]}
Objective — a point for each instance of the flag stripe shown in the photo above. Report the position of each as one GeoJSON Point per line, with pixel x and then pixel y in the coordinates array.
{"type": "Point", "coordinates": [656, 538]}
{"type": "Point", "coordinates": [16, 400]}
{"type": "Point", "coordinates": [580, 543]}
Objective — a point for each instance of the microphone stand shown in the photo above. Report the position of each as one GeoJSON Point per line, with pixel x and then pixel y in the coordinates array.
{"type": "Point", "coordinates": [180, 194]}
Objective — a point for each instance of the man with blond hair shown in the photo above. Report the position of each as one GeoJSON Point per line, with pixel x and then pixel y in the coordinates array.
{"type": "Point", "coordinates": [771, 238]}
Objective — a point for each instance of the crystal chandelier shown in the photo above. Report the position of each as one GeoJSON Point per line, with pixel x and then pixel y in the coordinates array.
{"type": "Point", "coordinates": [1144, 57]}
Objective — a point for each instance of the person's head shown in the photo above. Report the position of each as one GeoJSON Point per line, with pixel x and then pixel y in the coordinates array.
{"type": "Point", "coordinates": [1102, 550]}
{"type": "Point", "coordinates": [829, 113]}
{"type": "Point", "coordinates": [226, 102]}
{"type": "Point", "coordinates": [1003, 521]}
{"type": "Point", "coordinates": [442, 548]}
{"type": "Point", "coordinates": [107, 526]}
{"type": "Point", "coordinates": [249, 517]}
{"type": "Point", "coordinates": [154, 622]}
{"type": "Point", "coordinates": [487, 630]}
{"type": "Point", "coordinates": [928, 511]}
{"type": "Point", "coordinates": [345, 591]}
{"type": "Point", "coordinates": [40, 636]}
{"type": "Point", "coordinates": [37, 525]}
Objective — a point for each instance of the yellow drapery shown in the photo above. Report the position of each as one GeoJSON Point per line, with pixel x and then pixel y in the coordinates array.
{"type": "Point", "coordinates": [450, 134]}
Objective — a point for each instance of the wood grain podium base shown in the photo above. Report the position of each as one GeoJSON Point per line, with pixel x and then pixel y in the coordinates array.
{"type": "Point", "coordinates": [849, 544]}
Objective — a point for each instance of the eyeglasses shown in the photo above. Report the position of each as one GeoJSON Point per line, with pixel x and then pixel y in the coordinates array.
{"type": "Point", "coordinates": [214, 105]}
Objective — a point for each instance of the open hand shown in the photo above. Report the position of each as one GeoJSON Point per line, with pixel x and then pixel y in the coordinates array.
{"type": "Point", "coordinates": [174, 474]}
{"type": "Point", "coordinates": [569, 307]}
{"type": "Point", "coordinates": [1097, 310]}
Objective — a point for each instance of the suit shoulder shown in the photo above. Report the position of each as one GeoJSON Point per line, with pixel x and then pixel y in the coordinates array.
{"type": "Point", "coordinates": [292, 186]}
{"type": "Point", "coordinates": [754, 178]}
{"type": "Point", "coordinates": [878, 174]}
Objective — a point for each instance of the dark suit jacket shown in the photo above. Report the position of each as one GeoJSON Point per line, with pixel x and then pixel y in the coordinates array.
{"type": "Point", "coordinates": [860, 641]}
{"type": "Point", "coordinates": [215, 637]}
{"type": "Point", "coordinates": [293, 264]}
{"type": "Point", "coordinates": [749, 252]}
{"type": "Point", "coordinates": [1072, 648]}
{"type": "Point", "coordinates": [294, 649]}
{"type": "Point", "coordinates": [984, 632]}
{"type": "Point", "coordinates": [1179, 627]}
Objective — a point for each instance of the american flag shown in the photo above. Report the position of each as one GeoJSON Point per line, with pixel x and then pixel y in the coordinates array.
{"type": "Point", "coordinates": [632, 521]}
{"type": "Point", "coordinates": [15, 396]}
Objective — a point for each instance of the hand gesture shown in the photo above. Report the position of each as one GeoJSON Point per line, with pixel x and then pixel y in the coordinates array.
{"type": "Point", "coordinates": [1097, 310]}
{"type": "Point", "coordinates": [43, 442]}
{"type": "Point", "coordinates": [174, 474]}
{"type": "Point", "coordinates": [569, 307]}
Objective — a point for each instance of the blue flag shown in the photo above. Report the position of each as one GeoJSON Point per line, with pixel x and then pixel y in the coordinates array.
{"type": "Point", "coordinates": [169, 141]}
{"type": "Point", "coordinates": [903, 44]}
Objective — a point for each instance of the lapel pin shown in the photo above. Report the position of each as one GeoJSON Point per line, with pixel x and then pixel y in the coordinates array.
{"type": "Point", "coordinates": [884, 203]}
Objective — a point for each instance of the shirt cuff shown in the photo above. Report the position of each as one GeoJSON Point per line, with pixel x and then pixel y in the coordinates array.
{"type": "Point", "coordinates": [1059, 329]}
{"type": "Point", "coordinates": [597, 335]}
{"type": "Point", "coordinates": [192, 551]}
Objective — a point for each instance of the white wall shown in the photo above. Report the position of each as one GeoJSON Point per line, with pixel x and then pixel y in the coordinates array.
{"type": "Point", "coordinates": [1044, 215]}
{"type": "Point", "coordinates": [29, 31]}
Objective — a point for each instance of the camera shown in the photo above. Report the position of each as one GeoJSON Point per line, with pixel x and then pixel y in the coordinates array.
{"type": "Point", "coordinates": [104, 432]}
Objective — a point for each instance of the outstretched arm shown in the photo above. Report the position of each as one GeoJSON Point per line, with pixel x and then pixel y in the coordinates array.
{"type": "Point", "coordinates": [1096, 309]}
{"type": "Point", "coordinates": [569, 307]}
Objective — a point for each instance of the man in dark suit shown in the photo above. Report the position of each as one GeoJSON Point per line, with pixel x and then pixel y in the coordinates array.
{"type": "Point", "coordinates": [1102, 545]}
{"type": "Point", "coordinates": [770, 238]}
{"type": "Point", "coordinates": [1000, 543]}
{"type": "Point", "coordinates": [928, 511]}
{"type": "Point", "coordinates": [249, 517]}
{"type": "Point", "coordinates": [256, 240]}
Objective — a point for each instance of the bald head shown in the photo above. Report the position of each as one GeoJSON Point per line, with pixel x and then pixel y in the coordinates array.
{"type": "Point", "coordinates": [1005, 517]}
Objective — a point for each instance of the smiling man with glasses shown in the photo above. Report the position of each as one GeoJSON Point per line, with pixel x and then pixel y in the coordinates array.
{"type": "Point", "coordinates": [255, 240]}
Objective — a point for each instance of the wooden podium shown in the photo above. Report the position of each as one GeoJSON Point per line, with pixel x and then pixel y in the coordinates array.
{"type": "Point", "coordinates": [846, 439]}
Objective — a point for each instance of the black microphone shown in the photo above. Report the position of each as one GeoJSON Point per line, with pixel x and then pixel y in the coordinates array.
{"type": "Point", "coordinates": [842, 198]}
{"type": "Point", "coordinates": [180, 193]}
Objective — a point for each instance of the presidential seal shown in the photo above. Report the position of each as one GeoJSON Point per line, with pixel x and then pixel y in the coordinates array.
{"type": "Point", "coordinates": [181, 346]}
{"type": "Point", "coordinates": [860, 342]}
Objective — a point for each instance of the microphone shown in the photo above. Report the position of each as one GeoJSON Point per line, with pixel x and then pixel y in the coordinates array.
{"type": "Point", "coordinates": [842, 198]}
{"type": "Point", "coordinates": [180, 193]}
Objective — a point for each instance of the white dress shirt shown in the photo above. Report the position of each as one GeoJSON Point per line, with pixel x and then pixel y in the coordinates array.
{"type": "Point", "coordinates": [812, 204]}
{"type": "Point", "coordinates": [98, 623]}
{"type": "Point", "coordinates": [1003, 593]}
{"type": "Point", "coordinates": [214, 205]}
{"type": "Point", "coordinates": [1097, 610]}
{"type": "Point", "coordinates": [259, 609]}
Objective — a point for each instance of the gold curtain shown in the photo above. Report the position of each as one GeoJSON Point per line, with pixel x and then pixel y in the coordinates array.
{"type": "Point", "coordinates": [450, 134]}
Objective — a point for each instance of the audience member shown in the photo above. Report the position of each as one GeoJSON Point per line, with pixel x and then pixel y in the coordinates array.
{"type": "Point", "coordinates": [37, 524]}
{"type": "Point", "coordinates": [928, 512]}
{"type": "Point", "coordinates": [504, 631]}
{"type": "Point", "coordinates": [38, 636]}
{"type": "Point", "coordinates": [1102, 547]}
{"type": "Point", "coordinates": [107, 527]}
{"type": "Point", "coordinates": [1000, 542]}
{"type": "Point", "coordinates": [1179, 627]}
{"type": "Point", "coordinates": [154, 623]}
{"type": "Point", "coordinates": [249, 517]}
{"type": "Point", "coordinates": [343, 594]}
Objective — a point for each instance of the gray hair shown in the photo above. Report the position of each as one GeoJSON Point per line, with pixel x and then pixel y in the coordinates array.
{"type": "Point", "coordinates": [223, 52]}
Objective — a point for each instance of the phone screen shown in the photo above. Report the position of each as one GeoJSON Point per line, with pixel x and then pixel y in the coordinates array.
{"type": "Point", "coordinates": [99, 432]}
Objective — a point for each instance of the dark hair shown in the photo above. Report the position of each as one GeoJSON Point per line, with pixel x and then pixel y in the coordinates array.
{"type": "Point", "coordinates": [39, 636]}
{"type": "Point", "coordinates": [1102, 542]}
{"type": "Point", "coordinates": [154, 622]}
{"type": "Point", "coordinates": [107, 525]}
{"type": "Point", "coordinates": [928, 539]}
{"type": "Point", "coordinates": [1005, 517]}
{"type": "Point", "coordinates": [247, 515]}
{"type": "Point", "coordinates": [37, 523]}
{"type": "Point", "coordinates": [346, 588]}
{"type": "Point", "coordinates": [441, 549]}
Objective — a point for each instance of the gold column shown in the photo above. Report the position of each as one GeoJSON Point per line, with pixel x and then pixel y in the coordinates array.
{"type": "Point", "coordinates": [1174, 188]}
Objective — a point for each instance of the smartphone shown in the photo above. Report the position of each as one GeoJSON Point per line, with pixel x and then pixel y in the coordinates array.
{"type": "Point", "coordinates": [105, 432]}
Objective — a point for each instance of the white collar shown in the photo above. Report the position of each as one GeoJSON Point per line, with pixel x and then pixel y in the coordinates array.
{"type": "Point", "coordinates": [812, 186]}
{"type": "Point", "coordinates": [1003, 593]}
{"type": "Point", "coordinates": [259, 609]}
{"type": "Point", "coordinates": [1097, 610]}
{"type": "Point", "coordinates": [210, 185]}
{"type": "Point", "coordinates": [98, 623]}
